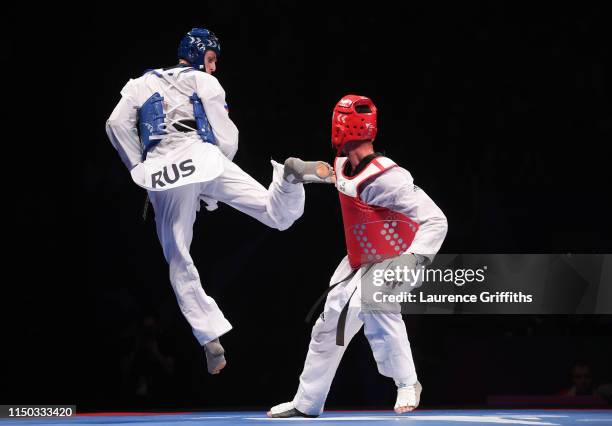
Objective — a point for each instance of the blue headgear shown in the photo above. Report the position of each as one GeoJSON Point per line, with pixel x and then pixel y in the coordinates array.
{"type": "Point", "coordinates": [194, 45]}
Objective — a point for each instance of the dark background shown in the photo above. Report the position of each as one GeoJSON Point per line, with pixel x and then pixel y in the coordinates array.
{"type": "Point", "coordinates": [502, 113]}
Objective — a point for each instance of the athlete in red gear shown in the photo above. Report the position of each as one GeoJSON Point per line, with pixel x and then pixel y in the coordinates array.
{"type": "Point", "coordinates": [386, 219]}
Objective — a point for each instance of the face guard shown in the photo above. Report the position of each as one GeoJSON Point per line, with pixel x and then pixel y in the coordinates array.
{"type": "Point", "coordinates": [354, 119]}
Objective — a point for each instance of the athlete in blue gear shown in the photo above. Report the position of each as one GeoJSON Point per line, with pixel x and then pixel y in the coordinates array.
{"type": "Point", "coordinates": [173, 132]}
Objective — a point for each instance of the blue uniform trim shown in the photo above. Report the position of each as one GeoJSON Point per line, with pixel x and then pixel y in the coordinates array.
{"type": "Point", "coordinates": [187, 70]}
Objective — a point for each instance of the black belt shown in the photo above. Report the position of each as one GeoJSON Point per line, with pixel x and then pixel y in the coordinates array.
{"type": "Point", "coordinates": [181, 126]}
{"type": "Point", "coordinates": [343, 314]}
{"type": "Point", "coordinates": [324, 295]}
{"type": "Point", "coordinates": [342, 321]}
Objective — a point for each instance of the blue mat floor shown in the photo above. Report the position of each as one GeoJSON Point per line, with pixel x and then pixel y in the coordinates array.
{"type": "Point", "coordinates": [344, 418]}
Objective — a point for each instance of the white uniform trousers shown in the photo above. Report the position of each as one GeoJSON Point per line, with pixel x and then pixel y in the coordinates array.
{"type": "Point", "coordinates": [385, 331]}
{"type": "Point", "coordinates": [175, 212]}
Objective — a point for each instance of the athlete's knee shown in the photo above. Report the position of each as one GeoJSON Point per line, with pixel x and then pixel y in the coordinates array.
{"type": "Point", "coordinates": [322, 337]}
{"type": "Point", "coordinates": [281, 222]}
{"type": "Point", "coordinates": [284, 224]}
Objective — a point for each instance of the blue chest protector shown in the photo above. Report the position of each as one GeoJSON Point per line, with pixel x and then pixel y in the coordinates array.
{"type": "Point", "coordinates": [203, 126]}
{"type": "Point", "coordinates": [151, 125]}
{"type": "Point", "coordinates": [151, 120]}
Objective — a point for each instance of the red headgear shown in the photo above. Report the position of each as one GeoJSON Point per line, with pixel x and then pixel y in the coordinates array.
{"type": "Point", "coordinates": [354, 119]}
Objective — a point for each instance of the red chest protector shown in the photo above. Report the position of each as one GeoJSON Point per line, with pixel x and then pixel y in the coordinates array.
{"type": "Point", "coordinates": [372, 233]}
